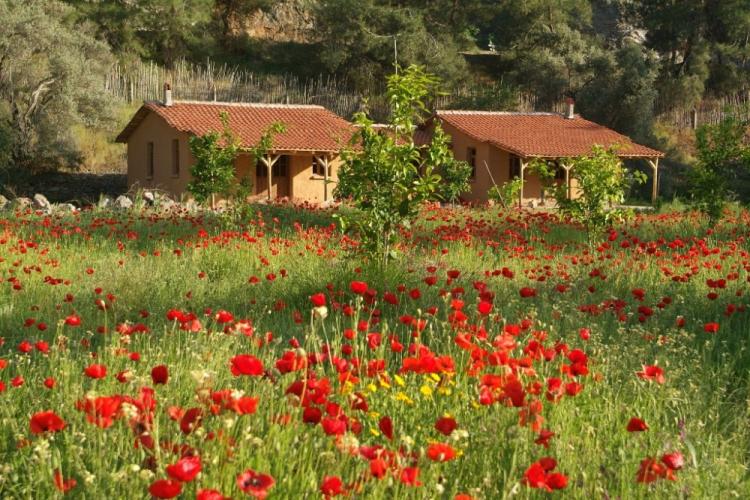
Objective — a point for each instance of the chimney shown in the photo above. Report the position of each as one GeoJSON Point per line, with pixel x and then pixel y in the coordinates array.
{"type": "Point", "coordinates": [168, 95]}
{"type": "Point", "coordinates": [570, 108]}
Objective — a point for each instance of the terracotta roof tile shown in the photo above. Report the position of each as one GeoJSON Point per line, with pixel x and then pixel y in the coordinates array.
{"type": "Point", "coordinates": [547, 135]}
{"type": "Point", "coordinates": [308, 128]}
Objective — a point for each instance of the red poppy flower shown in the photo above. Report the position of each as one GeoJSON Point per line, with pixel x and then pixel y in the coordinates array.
{"type": "Point", "coordinates": [223, 316]}
{"type": "Point", "coordinates": [332, 486]}
{"type": "Point", "coordinates": [650, 470]}
{"type": "Point", "coordinates": [255, 484]}
{"type": "Point", "coordinates": [165, 488]}
{"type": "Point", "coordinates": [410, 476]}
{"type": "Point", "coordinates": [711, 327]}
{"type": "Point", "coordinates": [185, 469]}
{"type": "Point", "coordinates": [358, 287]}
{"type": "Point", "coordinates": [210, 495]}
{"type": "Point", "coordinates": [73, 320]}
{"type": "Point", "coordinates": [527, 292]}
{"type": "Point", "coordinates": [484, 308]}
{"type": "Point", "coordinates": [160, 374]}
{"type": "Point", "coordinates": [191, 420]}
{"type": "Point", "coordinates": [441, 452]}
{"type": "Point", "coordinates": [652, 372]}
{"type": "Point", "coordinates": [62, 484]}
{"type": "Point", "coordinates": [46, 421]}
{"type": "Point", "coordinates": [637, 425]}
{"type": "Point", "coordinates": [446, 425]}
{"type": "Point", "coordinates": [386, 426]}
{"type": "Point", "coordinates": [49, 383]}
{"type": "Point", "coordinates": [246, 364]}
{"type": "Point", "coordinates": [378, 468]}
{"type": "Point", "coordinates": [318, 299]}
{"type": "Point", "coordinates": [96, 371]}
{"type": "Point", "coordinates": [675, 461]}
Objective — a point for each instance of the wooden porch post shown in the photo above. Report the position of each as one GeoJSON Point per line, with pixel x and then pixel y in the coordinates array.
{"type": "Point", "coordinates": [567, 179]}
{"type": "Point", "coordinates": [325, 161]}
{"type": "Point", "coordinates": [655, 182]}
{"type": "Point", "coordinates": [269, 162]}
{"type": "Point", "coordinates": [520, 197]}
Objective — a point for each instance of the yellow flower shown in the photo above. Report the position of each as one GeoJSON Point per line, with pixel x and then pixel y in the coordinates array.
{"type": "Point", "coordinates": [399, 380]}
{"type": "Point", "coordinates": [426, 390]}
{"type": "Point", "coordinates": [401, 396]}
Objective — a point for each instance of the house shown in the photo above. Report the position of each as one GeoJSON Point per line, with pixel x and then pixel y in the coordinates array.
{"type": "Point", "coordinates": [302, 164]}
{"type": "Point", "coordinates": [500, 145]}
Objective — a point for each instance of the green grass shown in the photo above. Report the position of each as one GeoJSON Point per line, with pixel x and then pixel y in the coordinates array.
{"type": "Point", "coordinates": [152, 263]}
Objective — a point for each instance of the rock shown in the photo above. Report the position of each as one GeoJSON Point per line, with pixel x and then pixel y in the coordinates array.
{"type": "Point", "coordinates": [105, 202]}
{"type": "Point", "coordinates": [122, 202]}
{"type": "Point", "coordinates": [3, 202]}
{"type": "Point", "coordinates": [21, 203]}
{"type": "Point", "coordinates": [66, 207]}
{"type": "Point", "coordinates": [191, 205]}
{"type": "Point", "coordinates": [149, 197]}
{"type": "Point", "coordinates": [41, 203]}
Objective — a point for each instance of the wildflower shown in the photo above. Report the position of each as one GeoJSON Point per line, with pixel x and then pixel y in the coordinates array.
{"type": "Point", "coordinates": [636, 425]}
{"type": "Point", "coordinates": [46, 421]}
{"type": "Point", "coordinates": [440, 452]}
{"type": "Point", "coordinates": [246, 364]}
{"type": "Point", "coordinates": [185, 469]}
{"type": "Point", "coordinates": [160, 374]}
{"type": "Point", "coordinates": [652, 372]}
{"type": "Point", "coordinates": [332, 486]}
{"type": "Point", "coordinates": [255, 484]}
{"type": "Point", "coordinates": [63, 485]}
{"type": "Point", "coordinates": [446, 425]}
{"type": "Point", "coordinates": [95, 371]}
{"type": "Point", "coordinates": [165, 488]}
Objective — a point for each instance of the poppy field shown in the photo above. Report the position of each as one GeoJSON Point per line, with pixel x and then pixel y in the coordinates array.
{"type": "Point", "coordinates": [174, 355]}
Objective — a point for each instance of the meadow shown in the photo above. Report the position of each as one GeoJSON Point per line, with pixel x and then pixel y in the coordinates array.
{"type": "Point", "coordinates": [171, 354]}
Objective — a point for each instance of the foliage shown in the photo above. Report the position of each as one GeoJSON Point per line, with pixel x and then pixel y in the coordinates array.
{"type": "Point", "coordinates": [602, 181]}
{"type": "Point", "coordinates": [50, 68]}
{"type": "Point", "coordinates": [385, 174]}
{"type": "Point", "coordinates": [507, 193]}
{"type": "Point", "coordinates": [723, 154]}
{"type": "Point", "coordinates": [213, 172]}
{"type": "Point", "coordinates": [455, 174]}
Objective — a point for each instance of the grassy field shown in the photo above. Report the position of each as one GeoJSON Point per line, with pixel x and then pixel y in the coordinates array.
{"type": "Point", "coordinates": [502, 356]}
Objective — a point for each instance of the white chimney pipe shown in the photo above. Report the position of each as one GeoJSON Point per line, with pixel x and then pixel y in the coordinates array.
{"type": "Point", "coordinates": [570, 110]}
{"type": "Point", "coordinates": [168, 95]}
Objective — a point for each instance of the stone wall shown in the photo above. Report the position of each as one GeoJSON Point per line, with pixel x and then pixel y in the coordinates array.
{"type": "Point", "coordinates": [64, 187]}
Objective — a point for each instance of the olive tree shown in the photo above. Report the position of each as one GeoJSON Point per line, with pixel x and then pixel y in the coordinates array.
{"type": "Point", "coordinates": [51, 78]}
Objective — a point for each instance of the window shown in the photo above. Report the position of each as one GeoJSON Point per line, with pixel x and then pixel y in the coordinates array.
{"type": "Point", "coordinates": [175, 157]}
{"type": "Point", "coordinates": [150, 160]}
{"type": "Point", "coordinates": [260, 169]}
{"type": "Point", "coordinates": [318, 167]}
{"type": "Point", "coordinates": [281, 166]}
{"type": "Point", "coordinates": [471, 159]}
{"type": "Point", "coordinates": [514, 167]}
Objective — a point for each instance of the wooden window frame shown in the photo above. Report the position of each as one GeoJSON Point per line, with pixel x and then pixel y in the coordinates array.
{"type": "Point", "coordinates": [318, 168]}
{"type": "Point", "coordinates": [175, 157]}
{"type": "Point", "coordinates": [471, 159]}
{"type": "Point", "coordinates": [150, 152]}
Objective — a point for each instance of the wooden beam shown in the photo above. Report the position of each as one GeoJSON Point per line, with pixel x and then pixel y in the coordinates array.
{"type": "Point", "coordinates": [269, 161]}
{"type": "Point", "coordinates": [655, 180]}
{"type": "Point", "coordinates": [567, 180]}
{"type": "Point", "coordinates": [325, 161]}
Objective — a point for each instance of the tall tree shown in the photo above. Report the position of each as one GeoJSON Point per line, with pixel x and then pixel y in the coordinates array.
{"type": "Point", "coordinates": [51, 71]}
